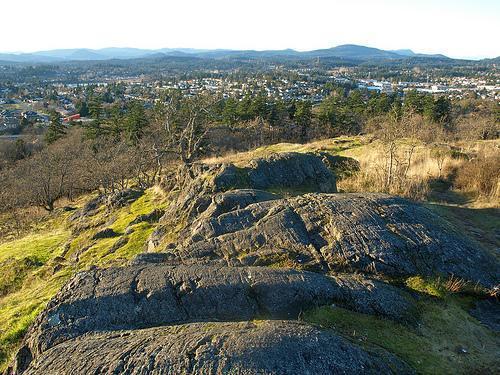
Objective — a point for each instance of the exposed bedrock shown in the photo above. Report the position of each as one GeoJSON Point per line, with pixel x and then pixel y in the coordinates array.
{"type": "Point", "coordinates": [197, 183]}
{"type": "Point", "coordinates": [374, 233]}
{"type": "Point", "coordinates": [261, 347]}
{"type": "Point", "coordinates": [157, 294]}
{"type": "Point", "coordinates": [208, 304]}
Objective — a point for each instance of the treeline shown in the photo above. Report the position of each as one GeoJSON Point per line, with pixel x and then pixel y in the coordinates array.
{"type": "Point", "coordinates": [128, 143]}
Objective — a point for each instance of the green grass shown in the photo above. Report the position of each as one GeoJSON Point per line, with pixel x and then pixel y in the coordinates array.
{"type": "Point", "coordinates": [27, 283]}
{"type": "Point", "coordinates": [431, 348]}
{"type": "Point", "coordinates": [136, 242]}
{"type": "Point", "coordinates": [431, 287]}
{"type": "Point", "coordinates": [41, 246]}
{"type": "Point", "coordinates": [27, 277]}
{"type": "Point", "coordinates": [19, 309]}
{"type": "Point", "coordinates": [144, 205]}
{"type": "Point", "coordinates": [14, 272]}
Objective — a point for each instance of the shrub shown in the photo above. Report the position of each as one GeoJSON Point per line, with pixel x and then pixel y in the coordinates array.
{"type": "Point", "coordinates": [480, 176]}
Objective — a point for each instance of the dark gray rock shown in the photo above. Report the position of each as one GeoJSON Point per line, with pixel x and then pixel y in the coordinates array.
{"type": "Point", "coordinates": [261, 347]}
{"type": "Point", "coordinates": [199, 182]}
{"type": "Point", "coordinates": [151, 258]}
{"type": "Point", "coordinates": [152, 295]}
{"type": "Point", "coordinates": [374, 297]}
{"type": "Point", "coordinates": [88, 208]}
{"type": "Point", "coordinates": [123, 197]}
{"type": "Point", "coordinates": [105, 233]}
{"type": "Point", "coordinates": [488, 313]}
{"type": "Point", "coordinates": [280, 170]}
{"type": "Point", "coordinates": [291, 170]}
{"type": "Point", "coordinates": [372, 233]}
{"type": "Point", "coordinates": [150, 217]}
{"type": "Point", "coordinates": [158, 295]}
{"type": "Point", "coordinates": [238, 199]}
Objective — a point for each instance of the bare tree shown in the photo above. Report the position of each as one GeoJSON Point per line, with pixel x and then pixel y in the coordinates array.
{"type": "Point", "coordinates": [183, 123]}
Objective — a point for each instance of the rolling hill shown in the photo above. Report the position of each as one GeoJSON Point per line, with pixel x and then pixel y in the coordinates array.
{"type": "Point", "coordinates": [346, 51]}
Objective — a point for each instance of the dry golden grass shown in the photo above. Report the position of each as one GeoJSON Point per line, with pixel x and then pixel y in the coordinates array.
{"type": "Point", "coordinates": [332, 145]}
{"type": "Point", "coordinates": [470, 167]}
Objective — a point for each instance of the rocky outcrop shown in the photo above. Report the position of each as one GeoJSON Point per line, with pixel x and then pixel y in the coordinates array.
{"type": "Point", "coordinates": [198, 182]}
{"type": "Point", "coordinates": [227, 294]}
{"type": "Point", "coordinates": [148, 295]}
{"type": "Point", "coordinates": [370, 233]}
{"type": "Point", "coordinates": [261, 347]}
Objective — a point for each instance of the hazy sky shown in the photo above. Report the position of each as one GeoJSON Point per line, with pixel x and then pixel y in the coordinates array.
{"type": "Point", "coordinates": [458, 28]}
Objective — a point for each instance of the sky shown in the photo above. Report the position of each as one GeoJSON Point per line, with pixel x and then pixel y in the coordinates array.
{"type": "Point", "coordinates": [457, 28]}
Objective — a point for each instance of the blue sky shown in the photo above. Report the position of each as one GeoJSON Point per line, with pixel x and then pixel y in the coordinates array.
{"type": "Point", "coordinates": [459, 28]}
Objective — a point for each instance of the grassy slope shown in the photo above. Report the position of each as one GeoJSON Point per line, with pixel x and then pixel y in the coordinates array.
{"type": "Point", "coordinates": [33, 269]}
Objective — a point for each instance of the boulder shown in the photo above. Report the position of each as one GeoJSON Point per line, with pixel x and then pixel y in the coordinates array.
{"type": "Point", "coordinates": [123, 197]}
{"type": "Point", "coordinates": [104, 233]}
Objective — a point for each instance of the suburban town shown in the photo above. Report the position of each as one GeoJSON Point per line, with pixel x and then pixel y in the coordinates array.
{"type": "Point", "coordinates": [24, 103]}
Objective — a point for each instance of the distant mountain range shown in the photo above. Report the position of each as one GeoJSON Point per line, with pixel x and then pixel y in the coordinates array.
{"type": "Point", "coordinates": [346, 51]}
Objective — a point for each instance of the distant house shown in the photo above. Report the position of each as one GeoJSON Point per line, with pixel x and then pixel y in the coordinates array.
{"type": "Point", "coordinates": [30, 116]}
{"type": "Point", "coordinates": [72, 118]}
{"type": "Point", "coordinates": [439, 88]}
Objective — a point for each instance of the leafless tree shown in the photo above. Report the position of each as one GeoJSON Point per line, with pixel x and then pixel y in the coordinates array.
{"type": "Point", "coordinates": [183, 124]}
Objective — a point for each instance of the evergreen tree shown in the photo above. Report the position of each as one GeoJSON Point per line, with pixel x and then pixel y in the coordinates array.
{"type": "Point", "coordinates": [442, 111]}
{"type": "Point", "coordinates": [230, 111]}
{"type": "Point", "coordinates": [82, 108]}
{"type": "Point", "coordinates": [135, 121]}
{"type": "Point", "coordinates": [56, 129]}
{"type": "Point", "coordinates": [303, 117]}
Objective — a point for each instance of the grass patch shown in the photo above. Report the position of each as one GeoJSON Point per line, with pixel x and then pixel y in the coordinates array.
{"type": "Point", "coordinates": [19, 309]}
{"type": "Point", "coordinates": [136, 242]}
{"type": "Point", "coordinates": [444, 287]}
{"type": "Point", "coordinates": [434, 347]}
{"type": "Point", "coordinates": [431, 287]}
{"type": "Point", "coordinates": [14, 272]}
{"type": "Point", "coordinates": [41, 246]}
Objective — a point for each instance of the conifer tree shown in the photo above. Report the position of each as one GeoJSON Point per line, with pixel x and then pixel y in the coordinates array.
{"type": "Point", "coordinates": [56, 129]}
